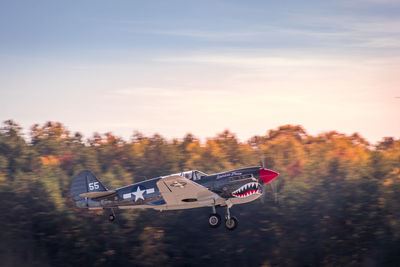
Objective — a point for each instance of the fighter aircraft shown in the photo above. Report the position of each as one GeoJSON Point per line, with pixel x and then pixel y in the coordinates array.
{"type": "Point", "coordinates": [185, 190]}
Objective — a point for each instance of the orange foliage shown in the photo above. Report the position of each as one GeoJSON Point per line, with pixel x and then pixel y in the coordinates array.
{"type": "Point", "coordinates": [55, 160]}
{"type": "Point", "coordinates": [50, 160]}
{"type": "Point", "coordinates": [295, 168]}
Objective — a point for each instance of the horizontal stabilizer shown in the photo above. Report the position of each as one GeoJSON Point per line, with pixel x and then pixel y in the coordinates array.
{"type": "Point", "coordinates": [97, 195]}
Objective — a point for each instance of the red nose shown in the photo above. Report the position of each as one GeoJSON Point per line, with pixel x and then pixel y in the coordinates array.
{"type": "Point", "coordinates": [267, 176]}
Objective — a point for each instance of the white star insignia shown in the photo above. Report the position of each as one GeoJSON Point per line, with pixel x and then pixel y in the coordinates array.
{"type": "Point", "coordinates": [138, 194]}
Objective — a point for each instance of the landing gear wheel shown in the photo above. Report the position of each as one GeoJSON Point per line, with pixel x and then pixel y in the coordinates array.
{"type": "Point", "coordinates": [111, 217]}
{"type": "Point", "coordinates": [214, 220]}
{"type": "Point", "coordinates": [231, 223]}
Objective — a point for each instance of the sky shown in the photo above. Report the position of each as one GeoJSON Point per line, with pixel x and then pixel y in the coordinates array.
{"type": "Point", "coordinates": [200, 67]}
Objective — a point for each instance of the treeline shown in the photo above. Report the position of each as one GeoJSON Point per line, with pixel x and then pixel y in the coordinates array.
{"type": "Point", "coordinates": [337, 201]}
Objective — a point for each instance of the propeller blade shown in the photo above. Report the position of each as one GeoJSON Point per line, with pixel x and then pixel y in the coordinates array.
{"type": "Point", "coordinates": [274, 188]}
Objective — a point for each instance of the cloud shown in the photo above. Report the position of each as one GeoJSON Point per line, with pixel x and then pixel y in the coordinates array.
{"type": "Point", "coordinates": [339, 32]}
{"type": "Point", "coordinates": [231, 35]}
{"type": "Point", "coordinates": [250, 61]}
{"type": "Point", "coordinates": [380, 2]}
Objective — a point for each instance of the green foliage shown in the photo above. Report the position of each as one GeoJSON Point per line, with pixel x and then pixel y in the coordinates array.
{"type": "Point", "coordinates": [337, 204]}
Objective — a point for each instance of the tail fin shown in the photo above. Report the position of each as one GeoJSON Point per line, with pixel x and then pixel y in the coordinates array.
{"type": "Point", "coordinates": [85, 182]}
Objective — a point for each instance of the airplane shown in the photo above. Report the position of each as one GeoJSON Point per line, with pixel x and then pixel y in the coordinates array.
{"type": "Point", "coordinates": [185, 190]}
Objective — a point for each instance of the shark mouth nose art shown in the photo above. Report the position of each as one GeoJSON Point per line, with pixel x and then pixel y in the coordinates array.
{"type": "Point", "coordinates": [247, 190]}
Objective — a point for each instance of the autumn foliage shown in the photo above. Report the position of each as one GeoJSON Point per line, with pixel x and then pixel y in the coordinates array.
{"type": "Point", "coordinates": [337, 201]}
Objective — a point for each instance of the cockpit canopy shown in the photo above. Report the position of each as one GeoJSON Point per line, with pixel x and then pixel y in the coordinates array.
{"type": "Point", "coordinates": [192, 175]}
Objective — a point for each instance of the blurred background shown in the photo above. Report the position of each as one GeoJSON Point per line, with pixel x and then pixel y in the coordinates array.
{"type": "Point", "coordinates": [337, 200]}
{"type": "Point", "coordinates": [132, 90]}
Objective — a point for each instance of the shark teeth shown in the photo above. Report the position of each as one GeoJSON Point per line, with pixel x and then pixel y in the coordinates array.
{"type": "Point", "coordinates": [247, 190]}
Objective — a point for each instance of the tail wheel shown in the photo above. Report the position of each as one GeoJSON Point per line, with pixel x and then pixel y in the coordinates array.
{"type": "Point", "coordinates": [111, 217]}
{"type": "Point", "coordinates": [231, 223]}
{"type": "Point", "coordinates": [214, 220]}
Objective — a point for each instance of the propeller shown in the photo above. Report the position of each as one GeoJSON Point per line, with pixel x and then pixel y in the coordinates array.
{"type": "Point", "coordinates": [274, 187]}
{"type": "Point", "coordinates": [273, 183]}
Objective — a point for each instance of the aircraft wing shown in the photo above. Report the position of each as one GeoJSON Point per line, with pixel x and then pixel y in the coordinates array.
{"type": "Point", "coordinates": [179, 191]}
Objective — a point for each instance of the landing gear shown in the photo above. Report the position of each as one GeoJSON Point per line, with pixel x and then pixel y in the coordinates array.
{"type": "Point", "coordinates": [214, 220]}
{"type": "Point", "coordinates": [111, 217]}
{"type": "Point", "coordinates": [230, 221]}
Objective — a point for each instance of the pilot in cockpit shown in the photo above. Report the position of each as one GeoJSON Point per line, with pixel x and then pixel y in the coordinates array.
{"type": "Point", "coordinates": [188, 175]}
{"type": "Point", "coordinates": [193, 175]}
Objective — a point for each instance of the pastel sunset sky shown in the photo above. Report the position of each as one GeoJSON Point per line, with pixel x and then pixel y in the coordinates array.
{"type": "Point", "coordinates": [173, 67]}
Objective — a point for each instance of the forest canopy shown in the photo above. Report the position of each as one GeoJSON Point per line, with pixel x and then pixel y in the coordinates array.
{"type": "Point", "coordinates": [337, 201]}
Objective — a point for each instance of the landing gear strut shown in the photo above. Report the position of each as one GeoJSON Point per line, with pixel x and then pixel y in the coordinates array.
{"type": "Point", "coordinates": [230, 221]}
